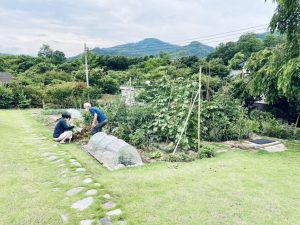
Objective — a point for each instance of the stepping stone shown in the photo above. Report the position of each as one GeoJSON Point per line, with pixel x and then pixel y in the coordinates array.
{"type": "Point", "coordinates": [115, 212]}
{"type": "Point", "coordinates": [109, 205]}
{"type": "Point", "coordinates": [97, 184]}
{"type": "Point", "coordinates": [80, 169]}
{"type": "Point", "coordinates": [88, 180]}
{"type": "Point", "coordinates": [64, 217]}
{"type": "Point", "coordinates": [91, 192]}
{"type": "Point", "coordinates": [47, 154]}
{"type": "Point", "coordinates": [105, 221]}
{"type": "Point", "coordinates": [74, 191]}
{"type": "Point", "coordinates": [58, 161]}
{"type": "Point", "coordinates": [52, 158]}
{"type": "Point", "coordinates": [122, 222]}
{"type": "Point", "coordinates": [86, 222]}
{"type": "Point", "coordinates": [77, 164]}
{"type": "Point", "coordinates": [83, 204]}
{"type": "Point", "coordinates": [106, 196]}
{"type": "Point", "coordinates": [72, 160]}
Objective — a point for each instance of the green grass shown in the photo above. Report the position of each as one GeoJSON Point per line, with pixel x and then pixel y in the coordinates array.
{"type": "Point", "coordinates": [236, 187]}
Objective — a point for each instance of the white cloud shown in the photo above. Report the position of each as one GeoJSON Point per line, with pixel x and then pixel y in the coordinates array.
{"type": "Point", "coordinates": [66, 25]}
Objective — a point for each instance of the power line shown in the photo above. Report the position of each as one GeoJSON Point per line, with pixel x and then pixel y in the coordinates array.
{"type": "Point", "coordinates": [215, 39]}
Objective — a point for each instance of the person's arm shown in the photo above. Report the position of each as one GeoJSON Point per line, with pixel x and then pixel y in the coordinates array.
{"type": "Point", "coordinates": [94, 120]}
{"type": "Point", "coordinates": [66, 127]}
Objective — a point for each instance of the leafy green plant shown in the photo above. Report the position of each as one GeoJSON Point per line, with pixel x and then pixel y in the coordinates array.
{"type": "Point", "coordinates": [180, 157]}
{"type": "Point", "coordinates": [156, 154]}
{"type": "Point", "coordinates": [138, 138]}
{"type": "Point", "coordinates": [207, 151]}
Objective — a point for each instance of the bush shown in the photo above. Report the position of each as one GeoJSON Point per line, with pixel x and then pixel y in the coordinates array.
{"type": "Point", "coordinates": [87, 117]}
{"type": "Point", "coordinates": [138, 138]}
{"type": "Point", "coordinates": [6, 97]}
{"type": "Point", "coordinates": [180, 157]}
{"type": "Point", "coordinates": [156, 154]}
{"type": "Point", "coordinates": [207, 151]}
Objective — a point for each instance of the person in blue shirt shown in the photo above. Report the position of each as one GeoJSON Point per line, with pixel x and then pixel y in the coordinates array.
{"type": "Point", "coordinates": [99, 118]}
{"type": "Point", "coordinates": [62, 131]}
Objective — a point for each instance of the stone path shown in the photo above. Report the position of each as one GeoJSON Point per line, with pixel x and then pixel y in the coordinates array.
{"type": "Point", "coordinates": [83, 196]}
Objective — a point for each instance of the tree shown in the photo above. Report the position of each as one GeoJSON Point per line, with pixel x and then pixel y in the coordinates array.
{"type": "Point", "coordinates": [248, 44]}
{"type": "Point", "coordinates": [236, 60]}
{"type": "Point", "coordinates": [45, 51]}
{"type": "Point", "coordinates": [286, 20]}
{"type": "Point", "coordinates": [58, 57]}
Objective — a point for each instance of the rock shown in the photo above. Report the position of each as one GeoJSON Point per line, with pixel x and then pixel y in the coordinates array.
{"type": "Point", "coordinates": [86, 222]}
{"type": "Point", "coordinates": [72, 160]}
{"type": "Point", "coordinates": [64, 217]}
{"type": "Point", "coordinates": [83, 204]}
{"type": "Point", "coordinates": [97, 184]}
{"type": "Point", "coordinates": [105, 221]}
{"type": "Point", "coordinates": [77, 164]}
{"type": "Point", "coordinates": [115, 212]}
{"type": "Point", "coordinates": [80, 169]}
{"type": "Point", "coordinates": [74, 191]}
{"type": "Point", "coordinates": [106, 196]}
{"type": "Point", "coordinates": [87, 180]}
{"type": "Point", "coordinates": [109, 205]}
{"type": "Point", "coordinates": [91, 192]}
{"type": "Point", "coordinates": [56, 189]}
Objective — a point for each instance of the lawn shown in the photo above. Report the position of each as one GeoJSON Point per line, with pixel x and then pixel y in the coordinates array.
{"type": "Point", "coordinates": [236, 187]}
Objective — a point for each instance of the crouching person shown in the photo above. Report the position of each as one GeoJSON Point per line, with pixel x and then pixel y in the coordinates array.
{"type": "Point", "coordinates": [62, 131]}
{"type": "Point", "coordinates": [99, 118]}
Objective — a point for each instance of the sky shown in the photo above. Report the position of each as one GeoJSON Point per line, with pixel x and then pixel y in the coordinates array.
{"type": "Point", "coordinates": [67, 24]}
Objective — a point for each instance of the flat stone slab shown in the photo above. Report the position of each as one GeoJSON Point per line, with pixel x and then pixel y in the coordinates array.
{"type": "Point", "coordinates": [109, 205]}
{"type": "Point", "coordinates": [74, 191]}
{"type": "Point", "coordinates": [47, 154]}
{"type": "Point", "coordinates": [106, 196]}
{"type": "Point", "coordinates": [80, 170]}
{"type": "Point", "coordinates": [86, 222]}
{"type": "Point", "coordinates": [52, 158]}
{"type": "Point", "coordinates": [275, 148]}
{"type": "Point", "coordinates": [122, 222]}
{"type": "Point", "coordinates": [77, 164]}
{"type": "Point", "coordinates": [64, 217]}
{"type": "Point", "coordinates": [91, 192]}
{"type": "Point", "coordinates": [105, 221]}
{"type": "Point", "coordinates": [83, 204]}
{"type": "Point", "coordinates": [115, 212]}
{"type": "Point", "coordinates": [87, 180]}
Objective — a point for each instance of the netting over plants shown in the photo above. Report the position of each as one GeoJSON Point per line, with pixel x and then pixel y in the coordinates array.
{"type": "Point", "coordinates": [112, 152]}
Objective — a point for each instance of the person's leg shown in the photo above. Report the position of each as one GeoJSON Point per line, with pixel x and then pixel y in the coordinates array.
{"type": "Point", "coordinates": [64, 136]}
{"type": "Point", "coordinates": [98, 127]}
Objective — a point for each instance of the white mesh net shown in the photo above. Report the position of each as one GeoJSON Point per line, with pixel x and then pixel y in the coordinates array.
{"type": "Point", "coordinates": [112, 152]}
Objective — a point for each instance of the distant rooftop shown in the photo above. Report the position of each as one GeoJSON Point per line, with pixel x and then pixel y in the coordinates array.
{"type": "Point", "coordinates": [5, 77]}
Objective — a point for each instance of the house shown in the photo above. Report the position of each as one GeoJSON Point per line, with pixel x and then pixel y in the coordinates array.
{"type": "Point", "coordinates": [5, 78]}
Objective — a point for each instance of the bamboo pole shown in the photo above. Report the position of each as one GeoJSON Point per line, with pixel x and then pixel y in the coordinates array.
{"type": "Point", "coordinates": [296, 125]}
{"type": "Point", "coordinates": [185, 123]}
{"type": "Point", "coordinates": [199, 107]}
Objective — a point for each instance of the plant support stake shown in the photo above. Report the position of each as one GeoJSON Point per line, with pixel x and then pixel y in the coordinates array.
{"type": "Point", "coordinates": [186, 121]}
{"type": "Point", "coordinates": [199, 107]}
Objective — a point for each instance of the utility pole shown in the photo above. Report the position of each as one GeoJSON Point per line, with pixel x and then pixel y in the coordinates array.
{"type": "Point", "coordinates": [86, 70]}
{"type": "Point", "coordinates": [199, 107]}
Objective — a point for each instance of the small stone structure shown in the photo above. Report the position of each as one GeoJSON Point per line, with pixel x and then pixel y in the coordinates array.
{"type": "Point", "coordinates": [112, 152]}
{"type": "Point", "coordinates": [128, 94]}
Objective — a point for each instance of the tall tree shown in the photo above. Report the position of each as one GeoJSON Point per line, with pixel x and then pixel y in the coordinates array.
{"type": "Point", "coordinates": [286, 20]}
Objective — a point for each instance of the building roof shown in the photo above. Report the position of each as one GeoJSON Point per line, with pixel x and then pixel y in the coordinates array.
{"type": "Point", "coordinates": [5, 77]}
